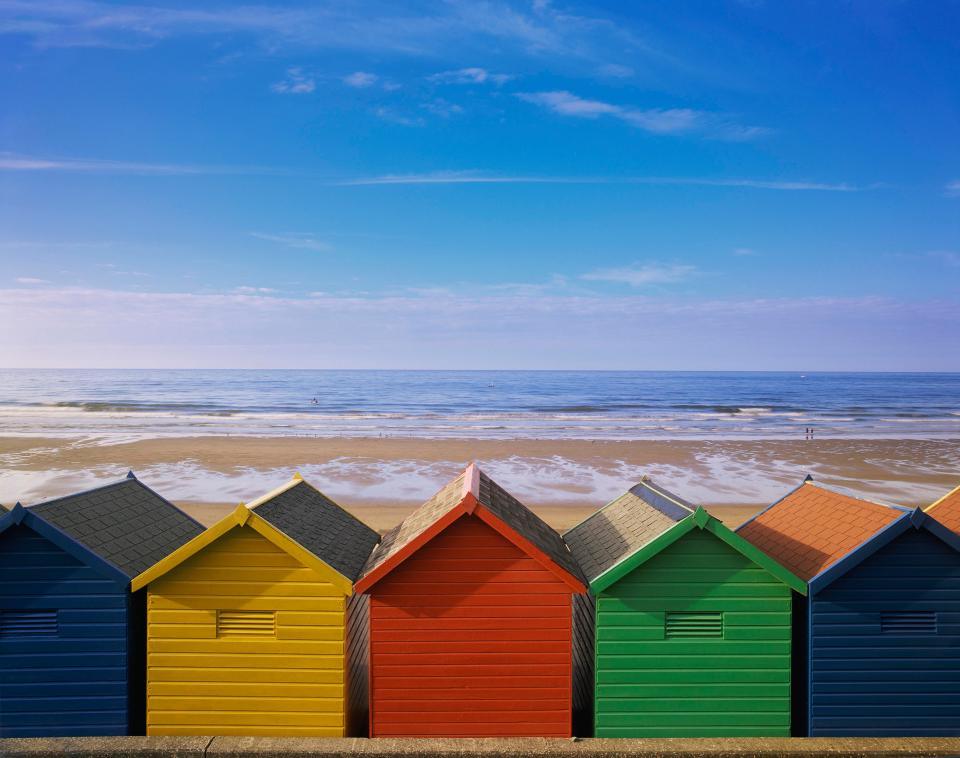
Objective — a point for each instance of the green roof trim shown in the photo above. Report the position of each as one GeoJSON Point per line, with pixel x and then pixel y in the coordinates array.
{"type": "Point", "coordinates": [699, 519]}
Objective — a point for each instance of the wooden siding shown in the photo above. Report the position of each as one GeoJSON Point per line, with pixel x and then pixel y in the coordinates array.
{"type": "Point", "coordinates": [584, 638]}
{"type": "Point", "coordinates": [737, 685]}
{"type": "Point", "coordinates": [470, 637]}
{"type": "Point", "coordinates": [872, 683]}
{"type": "Point", "coordinates": [290, 683]}
{"type": "Point", "coordinates": [358, 669]}
{"type": "Point", "coordinates": [73, 682]}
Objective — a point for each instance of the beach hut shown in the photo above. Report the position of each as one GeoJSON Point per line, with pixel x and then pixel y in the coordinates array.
{"type": "Point", "coordinates": [946, 510]}
{"type": "Point", "coordinates": [471, 619]}
{"type": "Point", "coordinates": [882, 620]}
{"type": "Point", "coordinates": [250, 624]}
{"type": "Point", "coordinates": [693, 623]}
{"type": "Point", "coordinates": [71, 632]}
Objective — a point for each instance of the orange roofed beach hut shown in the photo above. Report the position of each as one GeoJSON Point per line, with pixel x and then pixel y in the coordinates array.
{"type": "Point", "coordinates": [250, 625]}
{"type": "Point", "coordinates": [471, 619]}
{"type": "Point", "coordinates": [880, 623]}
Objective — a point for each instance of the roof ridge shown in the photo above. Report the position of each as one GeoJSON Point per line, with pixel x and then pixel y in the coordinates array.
{"type": "Point", "coordinates": [267, 496]}
{"type": "Point", "coordinates": [603, 507]}
{"type": "Point", "coordinates": [126, 478]}
{"type": "Point", "coordinates": [838, 490]}
{"type": "Point", "coordinates": [942, 498]}
{"type": "Point", "coordinates": [666, 494]}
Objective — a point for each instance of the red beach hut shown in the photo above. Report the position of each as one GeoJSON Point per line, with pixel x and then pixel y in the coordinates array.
{"type": "Point", "coordinates": [471, 619]}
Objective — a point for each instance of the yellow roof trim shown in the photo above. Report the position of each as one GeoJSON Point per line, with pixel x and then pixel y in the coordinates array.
{"type": "Point", "coordinates": [940, 500]}
{"type": "Point", "coordinates": [243, 516]}
{"type": "Point", "coordinates": [294, 481]}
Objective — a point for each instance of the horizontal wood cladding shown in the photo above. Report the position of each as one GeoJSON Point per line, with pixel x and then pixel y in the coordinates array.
{"type": "Point", "coordinates": [63, 653]}
{"type": "Point", "coordinates": [470, 637]}
{"type": "Point", "coordinates": [885, 644]}
{"type": "Point", "coordinates": [694, 642]}
{"type": "Point", "coordinates": [243, 639]}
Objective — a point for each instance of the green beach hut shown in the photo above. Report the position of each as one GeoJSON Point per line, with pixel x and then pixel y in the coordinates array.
{"type": "Point", "coordinates": [692, 623]}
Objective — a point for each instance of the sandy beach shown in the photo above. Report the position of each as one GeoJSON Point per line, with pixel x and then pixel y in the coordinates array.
{"type": "Point", "coordinates": [383, 479]}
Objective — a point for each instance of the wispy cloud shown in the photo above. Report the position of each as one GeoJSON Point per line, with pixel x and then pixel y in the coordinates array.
{"type": "Point", "coordinates": [952, 189]}
{"type": "Point", "coordinates": [31, 280]}
{"type": "Point", "coordinates": [745, 252]}
{"type": "Point", "coordinates": [360, 79]}
{"type": "Point", "coordinates": [643, 274]}
{"type": "Point", "coordinates": [653, 120]}
{"type": "Point", "coordinates": [297, 240]}
{"type": "Point", "coordinates": [949, 258]}
{"type": "Point", "coordinates": [296, 82]}
{"type": "Point", "coordinates": [76, 326]}
{"type": "Point", "coordinates": [442, 108]}
{"type": "Point", "coordinates": [471, 75]}
{"type": "Point", "coordinates": [393, 116]}
{"type": "Point", "coordinates": [477, 177]}
{"type": "Point", "coordinates": [615, 71]}
{"type": "Point", "coordinates": [247, 290]}
{"type": "Point", "coordinates": [14, 162]}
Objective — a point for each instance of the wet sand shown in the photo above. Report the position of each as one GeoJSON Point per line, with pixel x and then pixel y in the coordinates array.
{"type": "Point", "coordinates": [383, 478]}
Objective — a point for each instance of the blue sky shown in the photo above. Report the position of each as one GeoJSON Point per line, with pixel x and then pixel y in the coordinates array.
{"type": "Point", "coordinates": [683, 185]}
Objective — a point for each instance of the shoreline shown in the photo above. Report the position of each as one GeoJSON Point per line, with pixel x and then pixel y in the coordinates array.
{"type": "Point", "coordinates": [402, 472]}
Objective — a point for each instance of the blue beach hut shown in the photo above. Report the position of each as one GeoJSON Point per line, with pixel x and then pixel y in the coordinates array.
{"type": "Point", "coordinates": [882, 617]}
{"type": "Point", "coordinates": [72, 656]}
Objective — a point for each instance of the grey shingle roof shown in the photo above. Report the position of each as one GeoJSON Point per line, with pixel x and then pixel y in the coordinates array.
{"type": "Point", "coordinates": [125, 523]}
{"type": "Point", "coordinates": [624, 525]}
{"type": "Point", "coordinates": [317, 523]}
{"type": "Point", "coordinates": [493, 497]}
{"type": "Point", "coordinates": [416, 523]}
{"type": "Point", "coordinates": [507, 508]}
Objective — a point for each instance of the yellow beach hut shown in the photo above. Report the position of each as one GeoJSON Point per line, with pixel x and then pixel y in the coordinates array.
{"type": "Point", "coordinates": [248, 623]}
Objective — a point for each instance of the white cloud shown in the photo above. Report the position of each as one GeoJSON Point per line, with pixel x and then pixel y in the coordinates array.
{"type": "Point", "coordinates": [296, 82]}
{"type": "Point", "coordinates": [14, 162]}
{"type": "Point", "coordinates": [53, 326]}
{"type": "Point", "coordinates": [654, 120]}
{"type": "Point", "coordinates": [472, 75]}
{"type": "Point", "coordinates": [442, 108]}
{"type": "Point", "coordinates": [745, 251]}
{"type": "Point", "coordinates": [952, 189]}
{"type": "Point", "coordinates": [31, 280]}
{"type": "Point", "coordinates": [641, 275]}
{"type": "Point", "coordinates": [615, 71]}
{"type": "Point", "coordinates": [360, 79]}
{"type": "Point", "coordinates": [395, 117]}
{"type": "Point", "coordinates": [298, 240]}
{"type": "Point", "coordinates": [947, 257]}
{"type": "Point", "coordinates": [246, 290]}
{"type": "Point", "coordinates": [479, 177]}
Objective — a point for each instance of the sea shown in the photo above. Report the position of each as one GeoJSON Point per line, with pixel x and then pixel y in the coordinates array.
{"type": "Point", "coordinates": [119, 405]}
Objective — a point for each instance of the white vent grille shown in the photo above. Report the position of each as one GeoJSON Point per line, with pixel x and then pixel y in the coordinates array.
{"type": "Point", "coordinates": [908, 622]}
{"type": "Point", "coordinates": [689, 625]}
{"type": "Point", "coordinates": [28, 623]}
{"type": "Point", "coordinates": [246, 623]}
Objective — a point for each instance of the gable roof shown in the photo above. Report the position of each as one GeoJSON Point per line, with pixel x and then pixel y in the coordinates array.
{"type": "Point", "coordinates": [473, 492]}
{"type": "Point", "coordinates": [317, 523]}
{"type": "Point", "coordinates": [915, 519]}
{"type": "Point", "coordinates": [125, 523]}
{"type": "Point", "coordinates": [643, 522]}
{"type": "Point", "coordinates": [946, 510]}
{"type": "Point", "coordinates": [624, 525]}
{"type": "Point", "coordinates": [814, 526]}
{"type": "Point", "coordinates": [19, 515]}
{"type": "Point", "coordinates": [303, 503]}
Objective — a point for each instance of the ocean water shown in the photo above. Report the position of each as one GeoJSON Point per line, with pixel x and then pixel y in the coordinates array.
{"type": "Point", "coordinates": [116, 405]}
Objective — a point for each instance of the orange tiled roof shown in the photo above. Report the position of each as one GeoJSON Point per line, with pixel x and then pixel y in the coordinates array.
{"type": "Point", "coordinates": [814, 527]}
{"type": "Point", "coordinates": [947, 510]}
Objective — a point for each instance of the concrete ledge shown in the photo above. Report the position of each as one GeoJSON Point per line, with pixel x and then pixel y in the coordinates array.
{"type": "Point", "coordinates": [276, 747]}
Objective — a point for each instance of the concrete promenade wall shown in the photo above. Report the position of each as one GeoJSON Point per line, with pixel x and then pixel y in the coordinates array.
{"type": "Point", "coordinates": [274, 747]}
